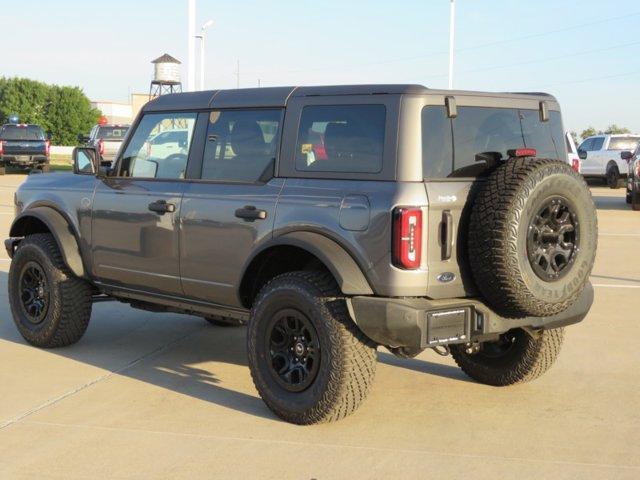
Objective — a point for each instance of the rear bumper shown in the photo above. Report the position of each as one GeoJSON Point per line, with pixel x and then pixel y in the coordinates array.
{"type": "Point", "coordinates": [26, 159]}
{"type": "Point", "coordinates": [422, 323]}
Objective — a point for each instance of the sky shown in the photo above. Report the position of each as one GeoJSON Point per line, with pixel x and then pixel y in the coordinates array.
{"type": "Point", "coordinates": [585, 52]}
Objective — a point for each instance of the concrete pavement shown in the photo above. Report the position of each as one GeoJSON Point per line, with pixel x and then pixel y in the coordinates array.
{"type": "Point", "coordinates": [147, 395]}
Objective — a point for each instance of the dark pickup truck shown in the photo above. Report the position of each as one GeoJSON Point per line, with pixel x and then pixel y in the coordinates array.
{"type": "Point", "coordinates": [24, 146]}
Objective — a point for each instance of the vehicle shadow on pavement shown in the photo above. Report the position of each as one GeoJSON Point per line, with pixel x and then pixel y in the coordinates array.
{"type": "Point", "coordinates": [183, 358]}
{"type": "Point", "coordinates": [423, 366]}
{"type": "Point", "coordinates": [186, 356]}
{"type": "Point", "coordinates": [606, 202]}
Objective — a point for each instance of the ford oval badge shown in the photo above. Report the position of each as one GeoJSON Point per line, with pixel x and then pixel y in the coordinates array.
{"type": "Point", "coordinates": [446, 277]}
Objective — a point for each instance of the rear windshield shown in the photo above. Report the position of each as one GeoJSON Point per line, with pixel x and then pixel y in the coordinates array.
{"type": "Point", "coordinates": [21, 132]}
{"type": "Point", "coordinates": [112, 133]}
{"type": "Point", "coordinates": [453, 147]}
{"type": "Point", "coordinates": [623, 143]}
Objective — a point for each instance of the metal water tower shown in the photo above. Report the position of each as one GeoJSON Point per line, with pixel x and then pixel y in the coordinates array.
{"type": "Point", "coordinates": [166, 76]}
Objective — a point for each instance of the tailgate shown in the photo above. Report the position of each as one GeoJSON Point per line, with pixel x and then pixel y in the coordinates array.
{"type": "Point", "coordinates": [24, 147]}
{"type": "Point", "coordinates": [446, 246]}
{"type": "Point", "coordinates": [111, 147]}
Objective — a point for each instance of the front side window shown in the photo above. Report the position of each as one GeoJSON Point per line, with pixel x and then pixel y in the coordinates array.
{"type": "Point", "coordinates": [159, 147]}
{"type": "Point", "coordinates": [597, 144]}
{"type": "Point", "coordinates": [341, 138]}
{"type": "Point", "coordinates": [241, 145]}
{"type": "Point", "coordinates": [586, 145]}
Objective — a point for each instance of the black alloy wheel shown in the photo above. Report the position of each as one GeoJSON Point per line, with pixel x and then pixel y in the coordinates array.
{"type": "Point", "coordinates": [34, 292]}
{"type": "Point", "coordinates": [294, 350]}
{"type": "Point", "coordinates": [553, 239]}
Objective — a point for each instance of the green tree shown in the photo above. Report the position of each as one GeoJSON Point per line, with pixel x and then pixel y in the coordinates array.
{"type": "Point", "coordinates": [588, 132]}
{"type": "Point", "coordinates": [64, 111]}
{"type": "Point", "coordinates": [68, 114]}
{"type": "Point", "coordinates": [613, 129]}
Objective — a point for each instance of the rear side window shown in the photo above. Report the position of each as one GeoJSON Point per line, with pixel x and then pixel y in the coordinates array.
{"type": "Point", "coordinates": [21, 132]}
{"type": "Point", "coordinates": [341, 138]}
{"type": "Point", "coordinates": [241, 145]}
{"type": "Point", "coordinates": [623, 143]}
{"type": "Point", "coordinates": [112, 133]}
{"type": "Point", "coordinates": [480, 130]}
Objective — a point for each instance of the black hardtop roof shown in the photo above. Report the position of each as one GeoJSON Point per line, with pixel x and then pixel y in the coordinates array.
{"type": "Point", "coordinates": [279, 96]}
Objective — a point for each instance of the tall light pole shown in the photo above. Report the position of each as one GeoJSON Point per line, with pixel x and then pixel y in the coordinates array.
{"type": "Point", "coordinates": [201, 37]}
{"type": "Point", "coordinates": [191, 31]}
{"type": "Point", "coordinates": [452, 33]}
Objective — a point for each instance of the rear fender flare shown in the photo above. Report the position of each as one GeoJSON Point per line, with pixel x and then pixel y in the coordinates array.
{"type": "Point", "coordinates": [342, 266]}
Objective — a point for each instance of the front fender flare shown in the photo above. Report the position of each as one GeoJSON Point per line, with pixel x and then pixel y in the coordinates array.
{"type": "Point", "coordinates": [61, 231]}
{"type": "Point", "coordinates": [344, 268]}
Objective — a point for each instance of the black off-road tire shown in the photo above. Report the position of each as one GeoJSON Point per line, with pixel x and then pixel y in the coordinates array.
{"type": "Point", "coordinates": [628, 198]}
{"type": "Point", "coordinates": [69, 305]}
{"type": "Point", "coordinates": [501, 218]}
{"type": "Point", "coordinates": [348, 358]}
{"type": "Point", "coordinates": [530, 356]}
{"type": "Point", "coordinates": [220, 321]}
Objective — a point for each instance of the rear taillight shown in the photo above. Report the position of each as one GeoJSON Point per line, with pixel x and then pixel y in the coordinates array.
{"type": "Point", "coordinates": [101, 146]}
{"type": "Point", "coordinates": [1, 147]}
{"type": "Point", "coordinates": [407, 238]}
{"type": "Point", "coordinates": [637, 175]}
{"type": "Point", "coordinates": [522, 152]}
{"type": "Point", "coordinates": [47, 147]}
{"type": "Point", "coordinates": [575, 165]}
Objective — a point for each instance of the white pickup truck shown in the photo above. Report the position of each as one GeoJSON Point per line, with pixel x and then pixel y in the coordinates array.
{"type": "Point", "coordinates": [600, 157]}
{"type": "Point", "coordinates": [106, 139]}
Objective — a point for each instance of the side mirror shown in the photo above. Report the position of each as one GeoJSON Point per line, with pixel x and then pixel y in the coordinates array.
{"type": "Point", "coordinates": [582, 154]}
{"type": "Point", "coordinates": [84, 161]}
{"type": "Point", "coordinates": [626, 155]}
{"type": "Point", "coordinates": [82, 138]}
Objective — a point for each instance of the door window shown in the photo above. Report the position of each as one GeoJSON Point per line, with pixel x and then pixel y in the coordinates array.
{"type": "Point", "coordinates": [341, 138]}
{"type": "Point", "coordinates": [586, 145]}
{"type": "Point", "coordinates": [597, 143]}
{"type": "Point", "coordinates": [159, 147]}
{"type": "Point", "coordinates": [241, 145]}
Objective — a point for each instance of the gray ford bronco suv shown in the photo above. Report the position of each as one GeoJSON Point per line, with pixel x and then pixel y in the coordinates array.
{"type": "Point", "coordinates": [332, 220]}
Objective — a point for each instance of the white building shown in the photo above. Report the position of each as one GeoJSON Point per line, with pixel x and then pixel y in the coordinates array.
{"type": "Point", "coordinates": [116, 112]}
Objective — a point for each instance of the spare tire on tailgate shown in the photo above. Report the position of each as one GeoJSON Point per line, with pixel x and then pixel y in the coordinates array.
{"type": "Point", "coordinates": [532, 237]}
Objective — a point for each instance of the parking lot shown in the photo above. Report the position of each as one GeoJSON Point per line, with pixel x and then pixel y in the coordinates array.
{"type": "Point", "coordinates": [146, 395]}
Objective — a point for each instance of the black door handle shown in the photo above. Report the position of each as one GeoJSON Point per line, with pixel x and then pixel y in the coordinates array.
{"type": "Point", "coordinates": [161, 207]}
{"type": "Point", "coordinates": [447, 234]}
{"type": "Point", "coordinates": [251, 213]}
